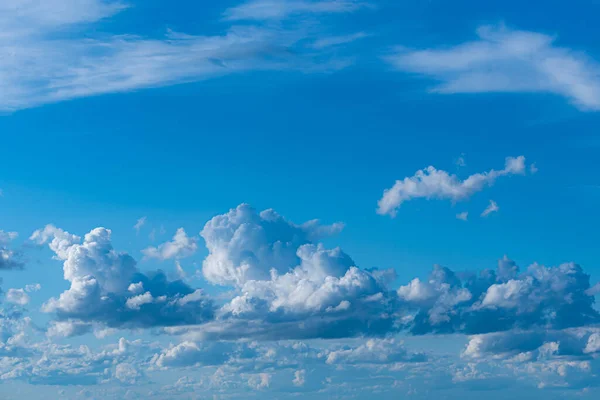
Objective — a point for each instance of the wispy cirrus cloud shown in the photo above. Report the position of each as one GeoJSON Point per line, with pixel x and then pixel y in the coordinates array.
{"type": "Point", "coordinates": [280, 9]}
{"type": "Point", "coordinates": [506, 60]}
{"type": "Point", "coordinates": [40, 63]}
{"type": "Point", "coordinates": [338, 40]}
{"type": "Point", "coordinates": [139, 224]}
{"type": "Point", "coordinates": [491, 208]}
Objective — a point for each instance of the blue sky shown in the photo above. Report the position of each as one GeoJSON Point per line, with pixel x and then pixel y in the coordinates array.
{"type": "Point", "coordinates": [435, 142]}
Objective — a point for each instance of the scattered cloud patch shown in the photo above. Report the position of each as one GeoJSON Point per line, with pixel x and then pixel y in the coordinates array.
{"type": "Point", "coordinates": [9, 259]}
{"type": "Point", "coordinates": [500, 300]}
{"type": "Point", "coordinates": [33, 287]}
{"type": "Point", "coordinates": [260, 381]}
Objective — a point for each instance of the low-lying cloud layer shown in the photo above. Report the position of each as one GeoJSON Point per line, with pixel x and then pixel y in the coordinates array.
{"type": "Point", "coordinates": [283, 285]}
{"type": "Point", "coordinates": [286, 285]}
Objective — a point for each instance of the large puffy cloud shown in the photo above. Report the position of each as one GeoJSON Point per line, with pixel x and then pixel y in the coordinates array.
{"type": "Point", "coordinates": [431, 183]}
{"type": "Point", "coordinates": [245, 245]}
{"type": "Point", "coordinates": [47, 363]}
{"type": "Point", "coordinates": [500, 300]}
{"type": "Point", "coordinates": [286, 284]}
{"type": "Point", "coordinates": [106, 286]}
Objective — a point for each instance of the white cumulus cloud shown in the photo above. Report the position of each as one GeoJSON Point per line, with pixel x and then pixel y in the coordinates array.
{"type": "Point", "coordinates": [431, 183]}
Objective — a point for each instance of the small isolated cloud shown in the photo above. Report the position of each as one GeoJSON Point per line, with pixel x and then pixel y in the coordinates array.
{"type": "Point", "coordinates": [491, 208]}
{"type": "Point", "coordinates": [281, 9]}
{"type": "Point", "coordinates": [463, 216]}
{"type": "Point", "coordinates": [506, 60]}
{"type": "Point", "coordinates": [299, 378]}
{"type": "Point", "coordinates": [17, 296]}
{"type": "Point", "coordinates": [180, 247]}
{"type": "Point", "coordinates": [139, 224]}
{"type": "Point", "coordinates": [431, 183]}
